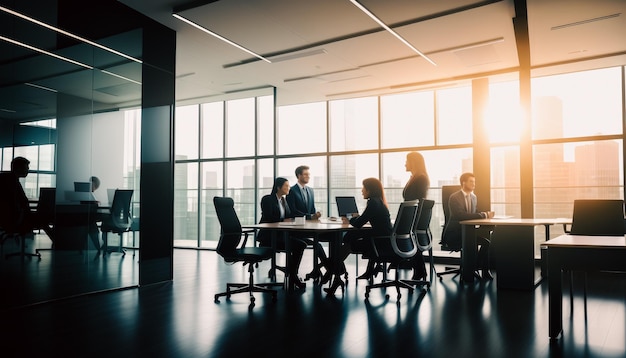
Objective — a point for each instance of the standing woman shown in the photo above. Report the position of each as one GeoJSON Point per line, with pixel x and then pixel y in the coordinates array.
{"type": "Point", "coordinates": [416, 189]}
{"type": "Point", "coordinates": [274, 208]}
{"type": "Point", "coordinates": [357, 241]}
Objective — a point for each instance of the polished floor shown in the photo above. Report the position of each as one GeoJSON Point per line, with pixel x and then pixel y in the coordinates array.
{"type": "Point", "coordinates": [180, 319]}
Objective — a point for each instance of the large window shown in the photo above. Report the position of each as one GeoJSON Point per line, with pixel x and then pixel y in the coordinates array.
{"type": "Point", "coordinates": [302, 128]}
{"type": "Point", "coordinates": [577, 148]}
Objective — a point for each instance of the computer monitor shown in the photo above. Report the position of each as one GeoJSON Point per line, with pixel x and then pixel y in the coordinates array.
{"type": "Point", "coordinates": [346, 205]}
{"type": "Point", "coordinates": [82, 187]}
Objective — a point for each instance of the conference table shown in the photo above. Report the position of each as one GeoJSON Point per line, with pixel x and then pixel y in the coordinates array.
{"type": "Point", "coordinates": [316, 228]}
{"type": "Point", "coordinates": [513, 241]}
{"type": "Point", "coordinates": [578, 252]}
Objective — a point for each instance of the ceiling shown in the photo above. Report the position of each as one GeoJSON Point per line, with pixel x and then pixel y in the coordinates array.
{"type": "Point", "coordinates": [328, 49]}
{"type": "Point", "coordinates": [320, 50]}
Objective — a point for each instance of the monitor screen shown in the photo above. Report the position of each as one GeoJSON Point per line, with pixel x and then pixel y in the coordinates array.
{"type": "Point", "coordinates": [82, 187]}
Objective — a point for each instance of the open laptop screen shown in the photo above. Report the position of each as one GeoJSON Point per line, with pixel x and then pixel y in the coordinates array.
{"type": "Point", "coordinates": [82, 187]}
{"type": "Point", "coordinates": [346, 205]}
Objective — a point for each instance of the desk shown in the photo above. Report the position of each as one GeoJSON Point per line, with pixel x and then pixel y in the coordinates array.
{"type": "Point", "coordinates": [314, 227]}
{"type": "Point", "coordinates": [578, 252]}
{"type": "Point", "coordinates": [514, 245]}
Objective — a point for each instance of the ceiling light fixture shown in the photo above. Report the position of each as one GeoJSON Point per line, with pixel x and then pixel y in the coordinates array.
{"type": "Point", "coordinates": [204, 29]}
{"type": "Point", "coordinates": [35, 21]}
{"type": "Point", "coordinates": [606, 17]}
{"type": "Point", "coordinates": [45, 52]}
{"type": "Point", "coordinates": [384, 26]}
{"type": "Point", "coordinates": [41, 87]}
{"type": "Point", "coordinates": [120, 76]}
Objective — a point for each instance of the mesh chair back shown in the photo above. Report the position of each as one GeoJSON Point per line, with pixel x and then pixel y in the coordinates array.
{"type": "Point", "coordinates": [230, 233]}
{"type": "Point", "coordinates": [403, 240]}
{"type": "Point", "coordinates": [598, 217]}
{"type": "Point", "coordinates": [121, 219]}
{"type": "Point", "coordinates": [422, 225]}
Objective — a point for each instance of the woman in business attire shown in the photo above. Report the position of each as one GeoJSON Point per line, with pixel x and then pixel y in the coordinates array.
{"type": "Point", "coordinates": [377, 214]}
{"type": "Point", "coordinates": [416, 189]}
{"type": "Point", "coordinates": [274, 208]}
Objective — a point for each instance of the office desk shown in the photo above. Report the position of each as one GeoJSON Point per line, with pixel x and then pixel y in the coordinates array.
{"type": "Point", "coordinates": [514, 247]}
{"type": "Point", "coordinates": [578, 252]}
{"type": "Point", "coordinates": [315, 228]}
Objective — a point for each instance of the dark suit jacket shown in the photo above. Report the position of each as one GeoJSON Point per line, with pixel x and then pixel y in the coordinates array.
{"type": "Point", "coordinates": [377, 214]}
{"type": "Point", "coordinates": [296, 202]}
{"type": "Point", "coordinates": [416, 188]}
{"type": "Point", "coordinates": [270, 213]}
{"type": "Point", "coordinates": [458, 212]}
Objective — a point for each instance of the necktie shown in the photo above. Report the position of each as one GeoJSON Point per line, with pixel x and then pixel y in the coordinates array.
{"type": "Point", "coordinates": [468, 203]}
{"type": "Point", "coordinates": [283, 206]}
{"type": "Point", "coordinates": [305, 195]}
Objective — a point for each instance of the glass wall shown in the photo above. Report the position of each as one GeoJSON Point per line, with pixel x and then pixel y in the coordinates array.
{"type": "Point", "coordinates": [576, 143]}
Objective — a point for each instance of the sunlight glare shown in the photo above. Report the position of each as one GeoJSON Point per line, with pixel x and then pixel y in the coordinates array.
{"type": "Point", "coordinates": [503, 122]}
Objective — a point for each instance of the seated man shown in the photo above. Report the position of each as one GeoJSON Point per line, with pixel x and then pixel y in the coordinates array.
{"type": "Point", "coordinates": [462, 206]}
{"type": "Point", "coordinates": [15, 214]}
{"type": "Point", "coordinates": [302, 203]}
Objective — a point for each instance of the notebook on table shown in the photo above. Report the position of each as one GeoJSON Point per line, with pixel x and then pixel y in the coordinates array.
{"type": "Point", "coordinates": [346, 205]}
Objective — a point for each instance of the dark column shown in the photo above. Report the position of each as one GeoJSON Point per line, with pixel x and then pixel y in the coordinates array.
{"type": "Point", "coordinates": [157, 155]}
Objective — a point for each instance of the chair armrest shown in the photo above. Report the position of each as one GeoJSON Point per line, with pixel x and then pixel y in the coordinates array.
{"type": "Point", "coordinates": [565, 230]}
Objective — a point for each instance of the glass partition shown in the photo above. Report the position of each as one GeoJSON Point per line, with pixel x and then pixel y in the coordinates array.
{"type": "Point", "coordinates": [64, 105]}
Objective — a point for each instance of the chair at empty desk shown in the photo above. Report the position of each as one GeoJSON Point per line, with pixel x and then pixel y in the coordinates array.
{"type": "Point", "coordinates": [595, 217]}
{"type": "Point", "coordinates": [119, 219]}
{"type": "Point", "coordinates": [228, 247]}
{"type": "Point", "coordinates": [446, 191]}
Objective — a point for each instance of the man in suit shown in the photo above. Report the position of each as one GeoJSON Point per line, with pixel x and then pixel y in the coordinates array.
{"type": "Point", "coordinates": [15, 214]}
{"type": "Point", "coordinates": [462, 205]}
{"type": "Point", "coordinates": [301, 200]}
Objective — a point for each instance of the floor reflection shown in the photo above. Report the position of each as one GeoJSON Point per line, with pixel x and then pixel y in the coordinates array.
{"type": "Point", "coordinates": [61, 273]}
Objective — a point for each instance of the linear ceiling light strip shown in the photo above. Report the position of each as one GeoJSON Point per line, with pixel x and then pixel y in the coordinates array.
{"type": "Point", "coordinates": [45, 52]}
{"type": "Point", "coordinates": [384, 26]}
{"type": "Point", "coordinates": [120, 76]}
{"type": "Point", "coordinates": [199, 27]}
{"type": "Point", "coordinates": [35, 21]}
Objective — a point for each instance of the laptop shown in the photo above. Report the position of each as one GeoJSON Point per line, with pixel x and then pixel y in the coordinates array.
{"type": "Point", "coordinates": [82, 187]}
{"type": "Point", "coordinates": [346, 205]}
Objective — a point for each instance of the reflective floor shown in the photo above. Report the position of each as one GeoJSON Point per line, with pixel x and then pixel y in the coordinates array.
{"type": "Point", "coordinates": [180, 319]}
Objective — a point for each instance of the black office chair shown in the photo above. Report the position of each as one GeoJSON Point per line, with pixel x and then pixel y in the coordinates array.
{"type": "Point", "coordinates": [398, 249]}
{"type": "Point", "coordinates": [446, 191]}
{"type": "Point", "coordinates": [228, 247]}
{"type": "Point", "coordinates": [45, 214]}
{"type": "Point", "coordinates": [118, 221]}
{"type": "Point", "coordinates": [423, 234]}
{"type": "Point", "coordinates": [595, 217]}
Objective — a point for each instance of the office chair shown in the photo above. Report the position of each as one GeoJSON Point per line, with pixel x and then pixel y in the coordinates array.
{"type": "Point", "coordinates": [45, 214]}
{"type": "Point", "coordinates": [398, 248]}
{"type": "Point", "coordinates": [423, 234]}
{"type": "Point", "coordinates": [446, 191]}
{"type": "Point", "coordinates": [228, 247]}
{"type": "Point", "coordinates": [118, 221]}
{"type": "Point", "coordinates": [595, 217]}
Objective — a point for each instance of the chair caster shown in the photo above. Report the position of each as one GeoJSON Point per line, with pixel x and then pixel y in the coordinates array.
{"type": "Point", "coordinates": [387, 296]}
{"type": "Point", "coordinates": [216, 299]}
